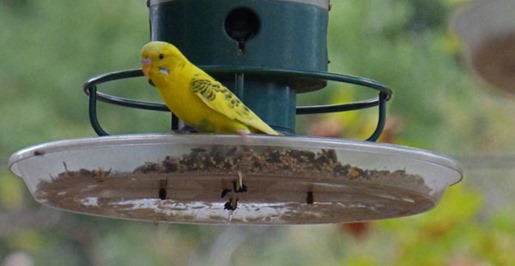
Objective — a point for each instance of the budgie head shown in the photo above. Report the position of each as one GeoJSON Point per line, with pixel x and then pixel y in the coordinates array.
{"type": "Point", "coordinates": [159, 59]}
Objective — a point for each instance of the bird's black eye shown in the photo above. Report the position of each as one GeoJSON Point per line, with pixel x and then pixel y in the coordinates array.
{"type": "Point", "coordinates": [161, 56]}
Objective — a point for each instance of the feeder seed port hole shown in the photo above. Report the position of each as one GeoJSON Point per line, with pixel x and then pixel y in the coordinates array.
{"type": "Point", "coordinates": [218, 179]}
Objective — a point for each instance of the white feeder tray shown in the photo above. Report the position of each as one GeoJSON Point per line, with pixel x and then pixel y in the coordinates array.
{"type": "Point", "coordinates": [219, 179]}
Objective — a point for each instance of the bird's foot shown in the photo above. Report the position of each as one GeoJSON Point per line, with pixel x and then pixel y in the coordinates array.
{"type": "Point", "coordinates": [185, 130]}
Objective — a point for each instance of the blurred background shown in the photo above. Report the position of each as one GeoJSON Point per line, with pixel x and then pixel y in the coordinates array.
{"type": "Point", "coordinates": [50, 48]}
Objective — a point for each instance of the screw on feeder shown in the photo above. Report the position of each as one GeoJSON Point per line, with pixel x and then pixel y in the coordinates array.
{"type": "Point", "coordinates": [162, 193]}
{"type": "Point", "coordinates": [310, 198]}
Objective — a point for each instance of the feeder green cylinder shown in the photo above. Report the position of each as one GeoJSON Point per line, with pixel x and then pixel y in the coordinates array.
{"type": "Point", "coordinates": [269, 34]}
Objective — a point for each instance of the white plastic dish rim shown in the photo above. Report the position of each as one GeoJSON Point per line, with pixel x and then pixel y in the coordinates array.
{"type": "Point", "coordinates": [230, 139]}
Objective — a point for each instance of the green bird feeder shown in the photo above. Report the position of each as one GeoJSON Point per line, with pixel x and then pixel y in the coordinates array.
{"type": "Point", "coordinates": [266, 52]}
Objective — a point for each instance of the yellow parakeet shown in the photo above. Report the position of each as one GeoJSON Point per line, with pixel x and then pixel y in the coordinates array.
{"type": "Point", "coordinates": [196, 97]}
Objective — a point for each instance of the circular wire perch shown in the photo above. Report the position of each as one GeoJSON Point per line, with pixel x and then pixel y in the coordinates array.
{"type": "Point", "coordinates": [217, 178]}
{"type": "Point", "coordinates": [385, 93]}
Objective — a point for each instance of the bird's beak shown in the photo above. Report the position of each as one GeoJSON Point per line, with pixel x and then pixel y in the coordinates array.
{"type": "Point", "coordinates": [145, 65]}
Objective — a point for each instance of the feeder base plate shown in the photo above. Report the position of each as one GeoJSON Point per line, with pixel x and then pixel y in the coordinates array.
{"type": "Point", "coordinates": [210, 178]}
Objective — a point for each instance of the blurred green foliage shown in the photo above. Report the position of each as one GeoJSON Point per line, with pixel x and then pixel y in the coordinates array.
{"type": "Point", "coordinates": [50, 48]}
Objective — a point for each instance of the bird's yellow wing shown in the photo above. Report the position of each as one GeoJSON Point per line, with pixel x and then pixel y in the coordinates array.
{"type": "Point", "coordinates": [222, 100]}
